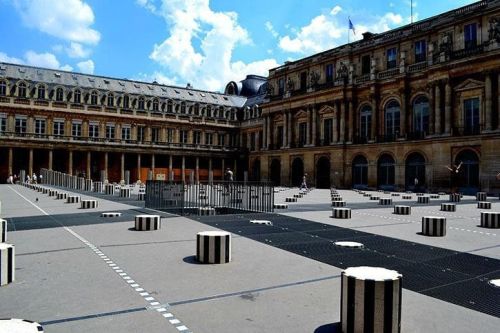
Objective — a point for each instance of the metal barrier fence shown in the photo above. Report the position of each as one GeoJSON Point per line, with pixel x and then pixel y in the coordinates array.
{"type": "Point", "coordinates": [56, 178]}
{"type": "Point", "coordinates": [209, 197]}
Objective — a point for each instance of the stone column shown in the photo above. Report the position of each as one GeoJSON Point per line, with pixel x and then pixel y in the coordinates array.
{"type": "Point", "coordinates": [342, 121]}
{"type": "Point", "coordinates": [122, 167]}
{"type": "Point", "coordinates": [268, 132]}
{"type": "Point", "coordinates": [89, 156]}
{"type": "Point", "coordinates": [183, 169]}
{"type": "Point", "coordinates": [11, 160]}
{"type": "Point", "coordinates": [432, 107]}
{"type": "Point", "coordinates": [402, 118]}
{"type": "Point", "coordinates": [197, 170]}
{"type": "Point", "coordinates": [210, 172]}
{"type": "Point", "coordinates": [437, 110]}
{"type": "Point", "coordinates": [170, 168]}
{"type": "Point", "coordinates": [350, 111]}
{"type": "Point", "coordinates": [335, 131]}
{"type": "Point", "coordinates": [289, 130]}
{"type": "Point", "coordinates": [264, 130]}
{"type": "Point", "coordinates": [50, 159]}
{"type": "Point", "coordinates": [314, 125]}
{"type": "Point", "coordinates": [139, 167]}
{"type": "Point", "coordinates": [106, 165]}
{"type": "Point", "coordinates": [257, 141]}
{"type": "Point", "coordinates": [308, 127]}
{"type": "Point", "coordinates": [488, 102]}
{"type": "Point", "coordinates": [285, 127]}
{"type": "Point", "coordinates": [249, 141]}
{"type": "Point", "coordinates": [70, 163]}
{"type": "Point", "coordinates": [374, 118]}
{"type": "Point", "coordinates": [30, 163]}
{"type": "Point", "coordinates": [447, 108]}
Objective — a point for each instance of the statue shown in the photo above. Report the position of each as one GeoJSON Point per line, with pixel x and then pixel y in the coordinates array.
{"type": "Point", "coordinates": [314, 78]}
{"type": "Point", "coordinates": [289, 84]}
{"type": "Point", "coordinates": [342, 72]}
{"type": "Point", "coordinates": [270, 90]}
{"type": "Point", "coordinates": [446, 44]}
{"type": "Point", "coordinates": [494, 30]}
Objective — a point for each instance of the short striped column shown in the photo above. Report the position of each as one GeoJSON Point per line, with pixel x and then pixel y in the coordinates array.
{"type": "Point", "coordinates": [402, 210]}
{"type": "Point", "coordinates": [370, 300]}
{"type": "Point", "coordinates": [124, 192]}
{"type": "Point", "coordinates": [434, 196]}
{"type": "Point", "coordinates": [45, 190]}
{"type": "Point", "coordinates": [297, 196]}
{"type": "Point", "coordinates": [15, 325]}
{"type": "Point", "coordinates": [338, 203]}
{"type": "Point", "coordinates": [52, 193]}
{"type": "Point", "coordinates": [406, 197]}
{"type": "Point", "coordinates": [213, 247]}
{"type": "Point", "coordinates": [3, 228]}
{"type": "Point", "coordinates": [423, 200]}
{"type": "Point", "coordinates": [147, 222]}
{"type": "Point", "coordinates": [206, 211]}
{"type": "Point", "coordinates": [89, 204]}
{"type": "Point", "coordinates": [448, 207]}
{"type": "Point", "coordinates": [484, 205]}
{"type": "Point", "coordinates": [141, 196]}
{"type": "Point", "coordinates": [490, 220]}
{"type": "Point", "coordinates": [62, 196]}
{"type": "Point", "coordinates": [111, 214]}
{"type": "Point", "coordinates": [80, 183]}
{"type": "Point", "coordinates": [7, 263]}
{"type": "Point", "coordinates": [455, 197]}
{"type": "Point", "coordinates": [109, 189]}
{"type": "Point", "coordinates": [481, 196]}
{"type": "Point", "coordinates": [73, 199]}
{"type": "Point", "coordinates": [395, 194]}
{"type": "Point", "coordinates": [367, 194]}
{"type": "Point", "coordinates": [375, 197]}
{"type": "Point", "coordinates": [88, 185]}
{"type": "Point", "coordinates": [290, 199]}
{"type": "Point", "coordinates": [98, 187]}
{"type": "Point", "coordinates": [337, 198]}
{"type": "Point", "coordinates": [280, 206]}
{"type": "Point", "coordinates": [385, 201]}
{"type": "Point", "coordinates": [434, 226]}
{"type": "Point", "coordinates": [341, 213]}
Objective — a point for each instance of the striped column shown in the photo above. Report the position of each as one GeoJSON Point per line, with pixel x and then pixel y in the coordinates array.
{"type": "Point", "coordinates": [370, 300]}
{"type": "Point", "coordinates": [88, 185]}
{"type": "Point", "coordinates": [111, 214]}
{"type": "Point", "coordinates": [61, 196]}
{"type": "Point", "coordinates": [213, 247]}
{"type": "Point", "coordinates": [338, 203]}
{"type": "Point", "coordinates": [53, 193]}
{"type": "Point", "coordinates": [484, 205]}
{"type": "Point", "coordinates": [109, 189]}
{"type": "Point", "coordinates": [73, 199]}
{"type": "Point", "coordinates": [290, 199]}
{"type": "Point", "coordinates": [455, 197]}
{"type": "Point", "coordinates": [402, 210]}
{"type": "Point", "coordinates": [490, 220]}
{"type": "Point", "coordinates": [141, 196]}
{"type": "Point", "coordinates": [434, 226]}
{"type": "Point", "coordinates": [3, 228]}
{"type": "Point", "coordinates": [448, 207]}
{"type": "Point", "coordinates": [481, 196]}
{"type": "Point", "coordinates": [206, 211]}
{"type": "Point", "coordinates": [385, 201]}
{"type": "Point", "coordinates": [406, 197]}
{"type": "Point", "coordinates": [280, 206]}
{"type": "Point", "coordinates": [341, 213]}
{"type": "Point", "coordinates": [423, 200]}
{"type": "Point", "coordinates": [7, 263]}
{"type": "Point", "coordinates": [375, 197]}
{"type": "Point", "coordinates": [124, 192]}
{"type": "Point", "coordinates": [147, 222]}
{"type": "Point", "coordinates": [98, 187]}
{"type": "Point", "coordinates": [88, 204]}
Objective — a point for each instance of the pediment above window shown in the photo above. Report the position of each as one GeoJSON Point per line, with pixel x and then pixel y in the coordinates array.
{"type": "Point", "coordinates": [470, 84]}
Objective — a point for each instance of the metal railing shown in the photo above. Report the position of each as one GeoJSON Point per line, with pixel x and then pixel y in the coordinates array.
{"type": "Point", "coordinates": [221, 197]}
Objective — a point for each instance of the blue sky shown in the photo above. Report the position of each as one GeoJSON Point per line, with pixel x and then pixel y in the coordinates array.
{"type": "Point", "coordinates": [203, 42]}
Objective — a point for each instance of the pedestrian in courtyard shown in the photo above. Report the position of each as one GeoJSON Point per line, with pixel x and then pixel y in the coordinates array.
{"type": "Point", "coordinates": [28, 179]}
{"type": "Point", "coordinates": [41, 178]}
{"type": "Point", "coordinates": [34, 178]}
{"type": "Point", "coordinates": [416, 188]}
{"type": "Point", "coordinates": [303, 186]}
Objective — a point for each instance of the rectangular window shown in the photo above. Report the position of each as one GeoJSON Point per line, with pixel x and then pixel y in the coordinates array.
{"type": "Point", "coordinates": [279, 138]}
{"type": "Point", "coordinates": [365, 64]}
{"type": "Point", "coordinates": [471, 115]}
{"type": "Point", "coordinates": [329, 73]}
{"type": "Point", "coordinates": [110, 131]}
{"type": "Point", "coordinates": [196, 137]}
{"type": "Point", "coordinates": [420, 51]}
{"type": "Point", "coordinates": [208, 138]}
{"type": "Point", "coordinates": [221, 139]}
{"type": "Point", "coordinates": [170, 135]}
{"type": "Point", "coordinates": [252, 141]}
{"type": "Point", "coordinates": [140, 134]}
{"type": "Point", "coordinates": [20, 125]}
{"type": "Point", "coordinates": [470, 35]}
{"type": "Point", "coordinates": [392, 54]}
{"type": "Point", "coordinates": [76, 130]}
{"type": "Point", "coordinates": [3, 124]}
{"type": "Point", "coordinates": [261, 139]}
{"type": "Point", "coordinates": [303, 81]}
{"type": "Point", "coordinates": [155, 134]}
{"type": "Point", "coordinates": [58, 128]}
{"type": "Point", "coordinates": [327, 131]}
{"type": "Point", "coordinates": [126, 133]}
{"type": "Point", "coordinates": [302, 133]}
{"type": "Point", "coordinates": [40, 126]}
{"type": "Point", "coordinates": [281, 86]}
{"type": "Point", "coordinates": [93, 130]}
{"type": "Point", "coordinates": [365, 125]}
{"type": "Point", "coordinates": [183, 136]}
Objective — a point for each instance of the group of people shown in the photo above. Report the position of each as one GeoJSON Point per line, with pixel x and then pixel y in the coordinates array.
{"type": "Point", "coordinates": [12, 179]}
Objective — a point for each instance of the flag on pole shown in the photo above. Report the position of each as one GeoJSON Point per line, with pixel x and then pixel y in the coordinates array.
{"type": "Point", "coordinates": [351, 26]}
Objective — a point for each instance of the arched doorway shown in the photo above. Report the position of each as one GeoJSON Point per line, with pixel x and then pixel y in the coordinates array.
{"type": "Point", "coordinates": [256, 170]}
{"type": "Point", "coordinates": [386, 172]}
{"type": "Point", "coordinates": [359, 172]}
{"type": "Point", "coordinates": [323, 173]}
{"type": "Point", "coordinates": [468, 176]}
{"type": "Point", "coordinates": [297, 171]}
{"type": "Point", "coordinates": [275, 174]}
{"type": "Point", "coordinates": [415, 168]}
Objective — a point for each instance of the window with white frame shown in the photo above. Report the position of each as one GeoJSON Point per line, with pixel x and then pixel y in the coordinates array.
{"type": "Point", "coordinates": [76, 129]}
{"type": "Point", "coordinates": [59, 95]}
{"type": "Point", "coordinates": [196, 137]}
{"type": "Point", "coordinates": [155, 134]}
{"type": "Point", "coordinates": [126, 102]}
{"type": "Point", "coordinates": [40, 126]}
{"type": "Point", "coordinates": [3, 123]}
{"type": "Point", "coordinates": [111, 100]}
{"type": "Point", "coordinates": [183, 137]}
{"type": "Point", "coordinates": [126, 132]}
{"type": "Point", "coordinates": [20, 125]}
{"type": "Point", "coordinates": [221, 139]}
{"type": "Point", "coordinates": [77, 96]}
{"type": "Point", "coordinates": [209, 138]}
{"type": "Point", "coordinates": [58, 128]}
{"type": "Point", "coordinates": [170, 135]}
{"type": "Point", "coordinates": [41, 92]}
{"type": "Point", "coordinates": [141, 133]}
{"type": "Point", "coordinates": [3, 88]}
{"type": "Point", "coordinates": [93, 98]}
{"type": "Point", "coordinates": [22, 90]}
{"type": "Point", "coordinates": [110, 131]}
{"type": "Point", "coordinates": [471, 115]}
{"type": "Point", "coordinates": [94, 130]}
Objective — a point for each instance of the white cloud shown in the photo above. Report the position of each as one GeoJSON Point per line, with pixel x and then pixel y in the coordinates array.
{"type": "Point", "coordinates": [67, 68]}
{"type": "Point", "coordinates": [270, 28]}
{"type": "Point", "coordinates": [5, 58]}
{"type": "Point", "coordinates": [46, 60]}
{"type": "Point", "coordinates": [69, 19]}
{"type": "Point", "coordinates": [76, 50]}
{"type": "Point", "coordinates": [192, 23]}
{"type": "Point", "coordinates": [86, 67]}
{"type": "Point", "coordinates": [335, 10]}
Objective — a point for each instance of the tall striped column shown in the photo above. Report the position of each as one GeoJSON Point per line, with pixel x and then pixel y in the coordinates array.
{"type": "Point", "coordinates": [3, 227]}
{"type": "Point", "coordinates": [370, 300]}
{"type": "Point", "coordinates": [213, 247]}
{"type": "Point", "coordinates": [7, 263]}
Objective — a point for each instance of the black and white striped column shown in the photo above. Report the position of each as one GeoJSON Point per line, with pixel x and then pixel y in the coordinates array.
{"type": "Point", "coordinates": [341, 213]}
{"type": "Point", "coordinates": [484, 205]}
{"type": "Point", "coordinates": [88, 185]}
{"type": "Point", "coordinates": [98, 187]}
{"type": "Point", "coordinates": [7, 263]}
{"type": "Point", "coordinates": [111, 214]}
{"type": "Point", "coordinates": [73, 199]}
{"type": "Point", "coordinates": [455, 197]}
{"type": "Point", "coordinates": [213, 247]}
{"type": "Point", "coordinates": [338, 203]}
{"type": "Point", "coordinates": [448, 207]}
{"type": "Point", "coordinates": [370, 300]}
{"type": "Point", "coordinates": [88, 204]}
{"type": "Point", "coordinates": [434, 196]}
{"type": "Point", "coordinates": [434, 226]}
{"type": "Point", "coordinates": [109, 189]}
{"type": "Point", "coordinates": [206, 211]}
{"type": "Point", "coordinates": [406, 197]}
{"type": "Point", "coordinates": [280, 206]}
{"type": "Point", "coordinates": [337, 198]}
{"type": "Point", "coordinates": [147, 222]}
{"type": "Point", "coordinates": [402, 210]}
{"type": "Point", "coordinates": [62, 196]}
{"type": "Point", "coordinates": [290, 199]}
{"type": "Point", "coordinates": [385, 201]}
{"type": "Point", "coordinates": [141, 196]}
{"type": "Point", "coordinates": [3, 228]}
{"type": "Point", "coordinates": [124, 192]}
{"type": "Point", "coordinates": [490, 220]}
{"type": "Point", "coordinates": [395, 194]}
{"type": "Point", "coordinates": [53, 193]}
{"type": "Point", "coordinates": [375, 197]}
{"type": "Point", "coordinates": [481, 196]}
{"type": "Point", "coordinates": [423, 199]}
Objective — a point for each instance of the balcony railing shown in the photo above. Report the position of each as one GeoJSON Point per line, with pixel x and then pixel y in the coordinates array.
{"type": "Point", "coordinates": [417, 135]}
{"type": "Point", "coordinates": [467, 130]}
{"type": "Point", "coordinates": [388, 73]}
{"type": "Point", "coordinates": [420, 66]}
{"type": "Point", "coordinates": [468, 52]}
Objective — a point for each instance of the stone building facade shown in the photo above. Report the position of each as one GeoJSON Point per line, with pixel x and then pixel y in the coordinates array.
{"type": "Point", "coordinates": [388, 109]}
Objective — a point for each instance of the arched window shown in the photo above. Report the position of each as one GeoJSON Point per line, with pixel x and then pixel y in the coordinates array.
{"type": "Point", "coordinates": [155, 105]}
{"type": "Point", "coordinates": [170, 107]}
{"type": "Point", "coordinates": [59, 95]}
{"type": "Point", "coordinates": [221, 112]}
{"type": "Point", "coordinates": [359, 171]}
{"type": "Point", "coordinates": [41, 92]}
{"type": "Point", "coordinates": [415, 169]}
{"type": "Point", "coordinates": [111, 100]}
{"type": "Point", "coordinates": [126, 102]}
{"type": "Point", "coordinates": [365, 122]}
{"type": "Point", "coordinates": [197, 109]}
{"type": "Point", "coordinates": [22, 90]}
{"type": "Point", "coordinates": [3, 88]}
{"type": "Point", "coordinates": [93, 98]}
{"type": "Point", "coordinates": [77, 98]}
{"type": "Point", "coordinates": [209, 111]}
{"type": "Point", "coordinates": [183, 107]}
{"type": "Point", "coordinates": [392, 114]}
{"type": "Point", "coordinates": [421, 115]}
{"type": "Point", "coordinates": [386, 171]}
{"type": "Point", "coordinates": [140, 106]}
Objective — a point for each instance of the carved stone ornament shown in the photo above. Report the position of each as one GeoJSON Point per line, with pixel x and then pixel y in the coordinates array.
{"type": "Point", "coordinates": [290, 84]}
{"type": "Point", "coordinates": [342, 72]}
{"type": "Point", "coordinates": [314, 78]}
{"type": "Point", "coordinates": [270, 89]}
{"type": "Point", "coordinates": [446, 44]}
{"type": "Point", "coordinates": [494, 30]}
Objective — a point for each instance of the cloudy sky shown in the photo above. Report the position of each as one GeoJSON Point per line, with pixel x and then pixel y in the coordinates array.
{"type": "Point", "coordinates": [203, 42]}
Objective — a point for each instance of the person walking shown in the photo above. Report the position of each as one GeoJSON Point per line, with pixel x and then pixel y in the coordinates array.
{"type": "Point", "coordinates": [415, 181]}
{"type": "Point", "coordinates": [303, 186]}
{"type": "Point", "coordinates": [34, 178]}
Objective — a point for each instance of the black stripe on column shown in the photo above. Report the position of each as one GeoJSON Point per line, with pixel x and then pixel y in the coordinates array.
{"type": "Point", "coordinates": [388, 305]}
{"type": "Point", "coordinates": [198, 240]}
{"type": "Point", "coordinates": [217, 244]}
{"type": "Point", "coordinates": [351, 290]}
{"type": "Point", "coordinates": [10, 268]}
{"type": "Point", "coordinates": [369, 310]}
{"type": "Point", "coordinates": [400, 280]}
{"type": "Point", "coordinates": [342, 281]}
{"type": "Point", "coordinates": [228, 247]}
{"type": "Point", "coordinates": [206, 249]}
{"type": "Point", "coordinates": [148, 223]}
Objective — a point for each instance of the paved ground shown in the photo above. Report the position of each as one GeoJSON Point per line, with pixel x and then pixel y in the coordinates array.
{"type": "Point", "coordinates": [78, 272]}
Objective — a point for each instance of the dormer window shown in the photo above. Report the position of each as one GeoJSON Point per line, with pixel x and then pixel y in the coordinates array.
{"type": "Point", "coordinates": [59, 95]}
{"type": "Point", "coordinates": [111, 100]}
{"type": "Point", "coordinates": [141, 103]}
{"type": "Point", "coordinates": [77, 98]}
{"type": "Point", "coordinates": [3, 88]}
{"type": "Point", "coordinates": [170, 106]}
{"type": "Point", "coordinates": [126, 102]}
{"type": "Point", "coordinates": [183, 107]}
{"type": "Point", "coordinates": [41, 92]}
{"type": "Point", "coordinates": [93, 98]}
{"type": "Point", "coordinates": [155, 105]}
{"type": "Point", "coordinates": [22, 90]}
